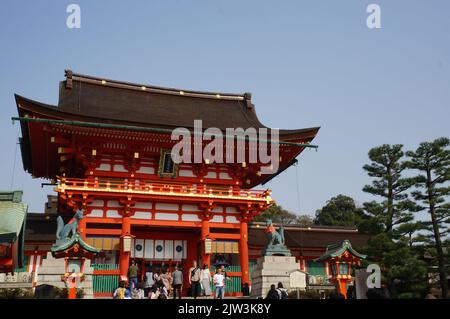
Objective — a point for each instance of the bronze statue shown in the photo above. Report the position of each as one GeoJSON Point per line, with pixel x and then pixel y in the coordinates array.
{"type": "Point", "coordinates": [276, 237]}
{"type": "Point", "coordinates": [63, 231]}
{"type": "Point", "coordinates": [276, 245]}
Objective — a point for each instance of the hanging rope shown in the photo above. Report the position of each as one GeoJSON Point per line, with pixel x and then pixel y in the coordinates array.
{"type": "Point", "coordinates": [14, 163]}
{"type": "Point", "coordinates": [298, 207]}
{"type": "Point", "coordinates": [298, 188]}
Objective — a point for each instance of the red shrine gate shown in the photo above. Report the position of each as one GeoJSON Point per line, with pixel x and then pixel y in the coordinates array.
{"type": "Point", "coordinates": [106, 146]}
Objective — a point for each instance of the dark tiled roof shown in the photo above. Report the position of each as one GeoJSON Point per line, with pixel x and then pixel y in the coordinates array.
{"type": "Point", "coordinates": [116, 101]}
{"type": "Point", "coordinates": [315, 237]}
{"type": "Point", "coordinates": [89, 98]}
{"type": "Point", "coordinates": [40, 228]}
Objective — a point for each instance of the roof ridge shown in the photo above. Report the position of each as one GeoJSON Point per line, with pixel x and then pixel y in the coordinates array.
{"type": "Point", "coordinates": [71, 76]}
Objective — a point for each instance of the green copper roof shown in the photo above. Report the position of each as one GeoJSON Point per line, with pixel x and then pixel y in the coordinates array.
{"type": "Point", "coordinates": [12, 215]}
{"type": "Point", "coordinates": [76, 239]}
{"type": "Point", "coordinates": [337, 250]}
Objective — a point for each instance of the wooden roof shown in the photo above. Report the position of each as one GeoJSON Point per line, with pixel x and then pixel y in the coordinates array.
{"type": "Point", "coordinates": [12, 215]}
{"type": "Point", "coordinates": [89, 100]}
{"type": "Point", "coordinates": [40, 228]}
{"type": "Point", "coordinates": [83, 97]}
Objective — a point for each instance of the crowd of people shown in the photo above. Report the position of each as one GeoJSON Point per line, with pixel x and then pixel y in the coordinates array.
{"type": "Point", "coordinates": [160, 283]}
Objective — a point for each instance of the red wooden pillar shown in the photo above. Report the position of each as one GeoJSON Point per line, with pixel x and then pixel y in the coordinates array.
{"type": "Point", "coordinates": [206, 258]}
{"type": "Point", "coordinates": [82, 227]}
{"type": "Point", "coordinates": [124, 259]}
{"type": "Point", "coordinates": [72, 291]}
{"type": "Point", "coordinates": [243, 252]}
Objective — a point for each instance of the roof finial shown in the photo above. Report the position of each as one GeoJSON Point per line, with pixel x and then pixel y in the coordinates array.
{"type": "Point", "coordinates": [248, 100]}
{"type": "Point", "coordinates": [68, 73]}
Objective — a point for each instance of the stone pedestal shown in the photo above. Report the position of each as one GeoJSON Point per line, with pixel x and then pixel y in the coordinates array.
{"type": "Point", "coordinates": [272, 270]}
{"type": "Point", "coordinates": [276, 250]}
{"type": "Point", "coordinates": [52, 269]}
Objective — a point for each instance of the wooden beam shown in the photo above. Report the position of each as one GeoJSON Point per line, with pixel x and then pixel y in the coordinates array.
{"type": "Point", "coordinates": [224, 236]}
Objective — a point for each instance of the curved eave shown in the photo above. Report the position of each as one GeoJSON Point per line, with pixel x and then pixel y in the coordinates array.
{"type": "Point", "coordinates": [299, 134]}
{"type": "Point", "coordinates": [307, 134]}
{"type": "Point", "coordinates": [338, 252]}
{"type": "Point", "coordinates": [28, 107]}
{"type": "Point", "coordinates": [77, 239]}
{"type": "Point", "coordinates": [51, 111]}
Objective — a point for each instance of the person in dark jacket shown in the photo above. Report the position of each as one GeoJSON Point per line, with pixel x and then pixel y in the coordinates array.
{"type": "Point", "coordinates": [273, 293]}
{"type": "Point", "coordinates": [246, 290]}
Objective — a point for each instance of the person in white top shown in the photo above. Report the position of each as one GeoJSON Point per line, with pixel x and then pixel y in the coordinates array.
{"type": "Point", "coordinates": [205, 280]}
{"type": "Point", "coordinates": [149, 281]}
{"type": "Point", "coordinates": [218, 280]}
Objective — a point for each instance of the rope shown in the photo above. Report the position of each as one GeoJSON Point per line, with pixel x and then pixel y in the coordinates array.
{"type": "Point", "coordinates": [14, 163]}
{"type": "Point", "coordinates": [298, 207]}
{"type": "Point", "coordinates": [298, 188]}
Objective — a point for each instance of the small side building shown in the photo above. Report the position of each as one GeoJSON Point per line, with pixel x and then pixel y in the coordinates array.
{"type": "Point", "coordinates": [12, 227]}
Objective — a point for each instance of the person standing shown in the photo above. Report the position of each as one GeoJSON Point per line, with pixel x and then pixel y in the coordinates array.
{"type": "Point", "coordinates": [246, 290]}
{"type": "Point", "coordinates": [156, 275]}
{"type": "Point", "coordinates": [205, 279]}
{"type": "Point", "coordinates": [225, 278]}
{"type": "Point", "coordinates": [177, 282]}
{"type": "Point", "coordinates": [272, 293]}
{"type": "Point", "coordinates": [219, 280]}
{"type": "Point", "coordinates": [149, 281]}
{"type": "Point", "coordinates": [133, 274]}
{"type": "Point", "coordinates": [166, 279]}
{"type": "Point", "coordinates": [282, 292]}
{"type": "Point", "coordinates": [194, 280]}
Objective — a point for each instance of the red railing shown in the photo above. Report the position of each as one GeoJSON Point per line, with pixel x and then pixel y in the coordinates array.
{"type": "Point", "coordinates": [160, 188]}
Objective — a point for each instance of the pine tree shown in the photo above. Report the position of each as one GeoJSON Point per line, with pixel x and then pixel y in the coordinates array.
{"type": "Point", "coordinates": [432, 160]}
{"type": "Point", "coordinates": [387, 168]}
{"type": "Point", "coordinates": [407, 233]}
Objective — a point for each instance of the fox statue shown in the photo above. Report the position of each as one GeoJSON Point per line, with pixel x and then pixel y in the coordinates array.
{"type": "Point", "coordinates": [276, 237]}
{"type": "Point", "coordinates": [63, 231]}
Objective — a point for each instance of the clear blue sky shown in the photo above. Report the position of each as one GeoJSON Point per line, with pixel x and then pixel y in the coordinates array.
{"type": "Point", "coordinates": [307, 63]}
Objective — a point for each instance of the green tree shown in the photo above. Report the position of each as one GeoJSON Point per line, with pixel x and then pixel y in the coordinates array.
{"type": "Point", "coordinates": [280, 215]}
{"type": "Point", "coordinates": [402, 270]}
{"type": "Point", "coordinates": [405, 272]}
{"type": "Point", "coordinates": [277, 214]}
{"type": "Point", "coordinates": [304, 220]}
{"type": "Point", "coordinates": [390, 223]}
{"type": "Point", "coordinates": [432, 160]}
{"type": "Point", "coordinates": [340, 210]}
{"type": "Point", "coordinates": [386, 168]}
{"type": "Point", "coordinates": [409, 233]}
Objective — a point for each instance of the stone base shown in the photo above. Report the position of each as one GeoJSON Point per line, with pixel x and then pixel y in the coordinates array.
{"type": "Point", "coordinates": [276, 250]}
{"type": "Point", "coordinates": [272, 270]}
{"type": "Point", "coordinates": [52, 269]}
